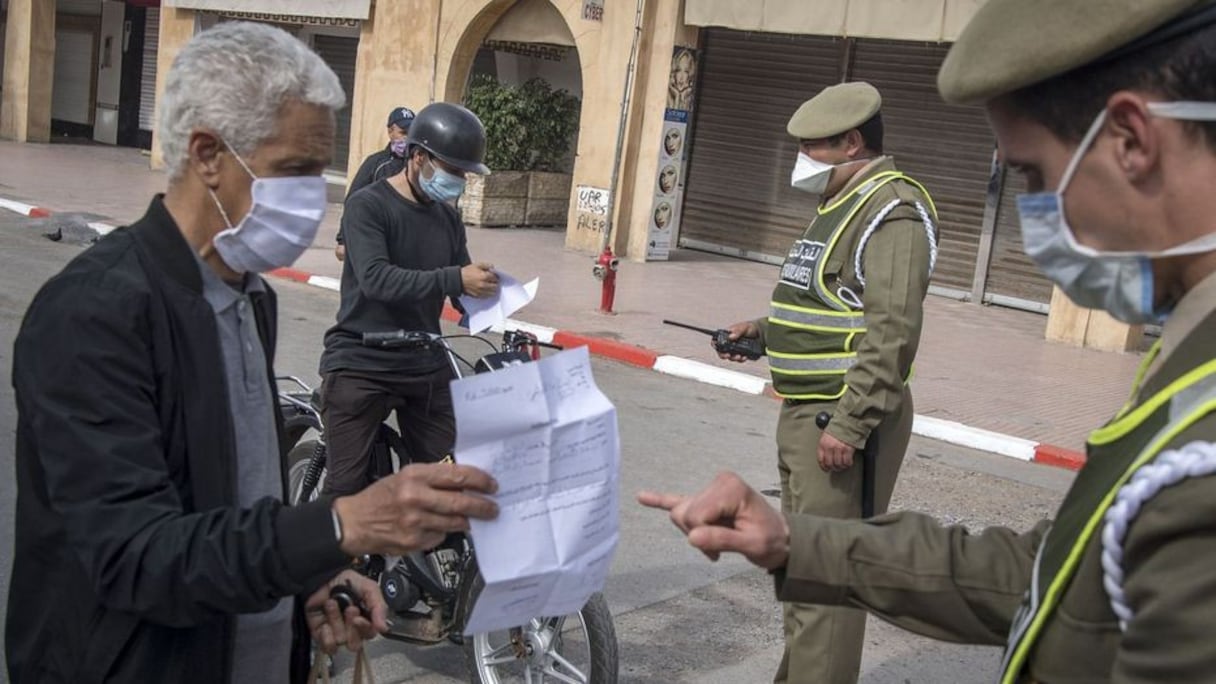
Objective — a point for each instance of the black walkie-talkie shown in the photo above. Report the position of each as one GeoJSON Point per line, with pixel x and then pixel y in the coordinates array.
{"type": "Point", "coordinates": [747, 347]}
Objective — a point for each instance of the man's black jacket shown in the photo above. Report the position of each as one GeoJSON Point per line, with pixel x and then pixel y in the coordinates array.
{"type": "Point", "coordinates": [378, 166]}
{"type": "Point", "coordinates": [131, 558]}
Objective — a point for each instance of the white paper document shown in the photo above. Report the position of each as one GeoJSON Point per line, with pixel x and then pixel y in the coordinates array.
{"type": "Point", "coordinates": [486, 312]}
{"type": "Point", "coordinates": [549, 436]}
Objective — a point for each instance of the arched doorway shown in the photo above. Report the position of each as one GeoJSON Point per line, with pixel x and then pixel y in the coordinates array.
{"type": "Point", "coordinates": [521, 58]}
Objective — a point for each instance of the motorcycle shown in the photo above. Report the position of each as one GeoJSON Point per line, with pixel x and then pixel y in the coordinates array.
{"type": "Point", "coordinates": [430, 594]}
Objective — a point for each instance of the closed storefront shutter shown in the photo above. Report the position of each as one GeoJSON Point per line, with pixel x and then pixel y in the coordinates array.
{"type": "Point", "coordinates": [948, 148]}
{"type": "Point", "coordinates": [738, 199]}
{"type": "Point", "coordinates": [339, 53]}
{"type": "Point", "coordinates": [147, 82]}
{"type": "Point", "coordinates": [72, 92]}
{"type": "Point", "coordinates": [79, 8]}
{"type": "Point", "coordinates": [1013, 279]}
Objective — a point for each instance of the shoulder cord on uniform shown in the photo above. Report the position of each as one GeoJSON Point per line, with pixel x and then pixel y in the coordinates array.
{"type": "Point", "coordinates": [877, 222]}
{"type": "Point", "coordinates": [1196, 459]}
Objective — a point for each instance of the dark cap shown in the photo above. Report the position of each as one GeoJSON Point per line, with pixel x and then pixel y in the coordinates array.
{"type": "Point", "coordinates": [1012, 44]}
{"type": "Point", "coordinates": [402, 116]}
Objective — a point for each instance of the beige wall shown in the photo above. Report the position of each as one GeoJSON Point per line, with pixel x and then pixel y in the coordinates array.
{"type": "Point", "coordinates": [29, 71]}
{"type": "Point", "coordinates": [603, 53]}
{"type": "Point", "coordinates": [394, 67]}
{"type": "Point", "coordinates": [417, 51]}
{"type": "Point", "coordinates": [177, 27]}
{"type": "Point", "coordinates": [666, 30]}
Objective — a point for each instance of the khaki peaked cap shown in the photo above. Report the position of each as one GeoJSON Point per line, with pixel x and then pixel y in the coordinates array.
{"type": "Point", "coordinates": [1011, 44]}
{"type": "Point", "coordinates": [835, 110]}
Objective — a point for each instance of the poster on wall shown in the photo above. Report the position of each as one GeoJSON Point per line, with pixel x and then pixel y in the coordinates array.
{"type": "Point", "coordinates": [592, 208]}
{"type": "Point", "coordinates": [668, 188]}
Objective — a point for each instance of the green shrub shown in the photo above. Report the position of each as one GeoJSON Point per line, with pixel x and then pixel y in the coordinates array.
{"type": "Point", "coordinates": [529, 127]}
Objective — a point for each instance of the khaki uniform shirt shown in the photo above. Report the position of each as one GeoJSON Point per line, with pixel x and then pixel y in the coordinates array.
{"type": "Point", "coordinates": [895, 264]}
{"type": "Point", "coordinates": [946, 583]}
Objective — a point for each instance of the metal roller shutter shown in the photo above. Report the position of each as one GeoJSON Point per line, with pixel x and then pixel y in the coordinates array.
{"type": "Point", "coordinates": [948, 148]}
{"type": "Point", "coordinates": [80, 8]}
{"type": "Point", "coordinates": [1013, 279]}
{"type": "Point", "coordinates": [339, 53]}
{"type": "Point", "coordinates": [75, 68]}
{"type": "Point", "coordinates": [738, 200]}
{"type": "Point", "coordinates": [147, 81]}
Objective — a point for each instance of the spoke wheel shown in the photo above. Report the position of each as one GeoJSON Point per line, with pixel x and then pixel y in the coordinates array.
{"type": "Point", "coordinates": [580, 648]}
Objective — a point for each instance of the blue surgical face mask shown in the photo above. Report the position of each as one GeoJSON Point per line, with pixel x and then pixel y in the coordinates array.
{"type": "Point", "coordinates": [398, 147]}
{"type": "Point", "coordinates": [1120, 282]}
{"type": "Point", "coordinates": [440, 185]}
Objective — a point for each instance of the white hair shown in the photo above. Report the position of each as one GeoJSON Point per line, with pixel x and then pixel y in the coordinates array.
{"type": "Point", "coordinates": [234, 78]}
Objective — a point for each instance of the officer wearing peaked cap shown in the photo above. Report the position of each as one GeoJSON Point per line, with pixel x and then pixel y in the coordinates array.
{"type": "Point", "coordinates": [1108, 107]}
{"type": "Point", "coordinates": [843, 328]}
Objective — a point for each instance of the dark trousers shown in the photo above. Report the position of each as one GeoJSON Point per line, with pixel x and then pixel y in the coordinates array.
{"type": "Point", "coordinates": [355, 403]}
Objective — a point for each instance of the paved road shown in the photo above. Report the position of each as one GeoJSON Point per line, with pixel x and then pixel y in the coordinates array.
{"type": "Point", "coordinates": [679, 618]}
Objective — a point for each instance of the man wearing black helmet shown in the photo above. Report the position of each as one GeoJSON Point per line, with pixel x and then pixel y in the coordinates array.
{"type": "Point", "coordinates": [406, 252]}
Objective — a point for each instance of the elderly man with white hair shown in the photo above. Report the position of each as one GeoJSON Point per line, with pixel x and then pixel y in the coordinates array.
{"type": "Point", "coordinates": [152, 543]}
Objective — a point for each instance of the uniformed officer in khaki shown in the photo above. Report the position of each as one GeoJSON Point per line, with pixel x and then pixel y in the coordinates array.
{"type": "Point", "coordinates": [842, 331]}
{"type": "Point", "coordinates": [1108, 108]}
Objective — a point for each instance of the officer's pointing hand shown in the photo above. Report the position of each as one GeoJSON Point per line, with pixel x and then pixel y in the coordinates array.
{"type": "Point", "coordinates": [728, 516]}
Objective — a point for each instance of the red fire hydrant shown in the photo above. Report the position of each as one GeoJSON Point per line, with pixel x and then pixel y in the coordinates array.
{"type": "Point", "coordinates": [605, 271]}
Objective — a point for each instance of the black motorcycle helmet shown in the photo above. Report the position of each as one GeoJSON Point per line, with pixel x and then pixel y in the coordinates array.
{"type": "Point", "coordinates": [452, 134]}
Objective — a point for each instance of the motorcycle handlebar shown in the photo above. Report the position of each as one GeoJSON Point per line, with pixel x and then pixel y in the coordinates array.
{"type": "Point", "coordinates": [397, 339]}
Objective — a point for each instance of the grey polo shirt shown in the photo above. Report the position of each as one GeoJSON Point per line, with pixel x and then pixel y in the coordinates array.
{"type": "Point", "coordinates": [263, 640]}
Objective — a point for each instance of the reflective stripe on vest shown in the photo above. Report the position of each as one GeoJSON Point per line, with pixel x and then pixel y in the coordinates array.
{"type": "Point", "coordinates": [1185, 400]}
{"type": "Point", "coordinates": [817, 364]}
{"type": "Point", "coordinates": [812, 330]}
{"type": "Point", "coordinates": [816, 319]}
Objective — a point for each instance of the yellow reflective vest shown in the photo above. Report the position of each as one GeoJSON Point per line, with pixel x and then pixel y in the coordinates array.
{"type": "Point", "coordinates": [814, 327]}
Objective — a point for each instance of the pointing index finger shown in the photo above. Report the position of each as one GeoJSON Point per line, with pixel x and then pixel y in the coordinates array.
{"type": "Point", "coordinates": [661, 500]}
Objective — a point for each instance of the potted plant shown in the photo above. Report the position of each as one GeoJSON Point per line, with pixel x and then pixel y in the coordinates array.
{"type": "Point", "coordinates": [529, 130]}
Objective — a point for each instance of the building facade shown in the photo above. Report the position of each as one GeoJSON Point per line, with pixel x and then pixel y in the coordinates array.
{"type": "Point", "coordinates": [681, 138]}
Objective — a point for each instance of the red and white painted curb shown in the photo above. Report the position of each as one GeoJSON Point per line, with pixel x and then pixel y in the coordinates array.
{"type": "Point", "coordinates": [925, 426]}
{"type": "Point", "coordinates": [24, 209]}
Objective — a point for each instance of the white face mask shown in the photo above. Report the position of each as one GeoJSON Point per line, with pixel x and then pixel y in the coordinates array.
{"type": "Point", "coordinates": [809, 175]}
{"type": "Point", "coordinates": [282, 222]}
{"type": "Point", "coordinates": [1120, 282]}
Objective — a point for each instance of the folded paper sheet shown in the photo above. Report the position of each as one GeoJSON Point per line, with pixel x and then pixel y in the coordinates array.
{"type": "Point", "coordinates": [549, 436]}
{"type": "Point", "coordinates": [485, 313]}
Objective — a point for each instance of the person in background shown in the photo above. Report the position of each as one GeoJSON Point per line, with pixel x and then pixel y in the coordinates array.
{"type": "Point", "coordinates": [408, 252]}
{"type": "Point", "coordinates": [380, 164]}
{"type": "Point", "coordinates": [843, 329]}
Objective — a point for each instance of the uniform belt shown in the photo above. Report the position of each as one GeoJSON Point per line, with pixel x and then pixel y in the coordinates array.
{"type": "Point", "coordinates": [800, 402]}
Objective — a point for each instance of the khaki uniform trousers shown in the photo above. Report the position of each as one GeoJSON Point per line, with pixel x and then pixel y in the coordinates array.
{"type": "Point", "coordinates": [823, 643]}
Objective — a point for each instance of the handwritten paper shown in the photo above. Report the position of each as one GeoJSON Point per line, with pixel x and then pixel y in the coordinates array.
{"type": "Point", "coordinates": [549, 436]}
{"type": "Point", "coordinates": [486, 312]}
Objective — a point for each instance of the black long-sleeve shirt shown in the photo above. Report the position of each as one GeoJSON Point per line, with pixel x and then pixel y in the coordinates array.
{"type": "Point", "coordinates": [403, 258]}
{"type": "Point", "coordinates": [378, 166]}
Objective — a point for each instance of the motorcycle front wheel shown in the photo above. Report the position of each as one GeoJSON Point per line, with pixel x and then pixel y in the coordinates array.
{"type": "Point", "coordinates": [299, 460]}
{"type": "Point", "coordinates": [579, 648]}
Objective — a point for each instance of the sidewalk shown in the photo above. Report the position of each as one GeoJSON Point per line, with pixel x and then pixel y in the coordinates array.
{"type": "Point", "coordinates": [984, 367]}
